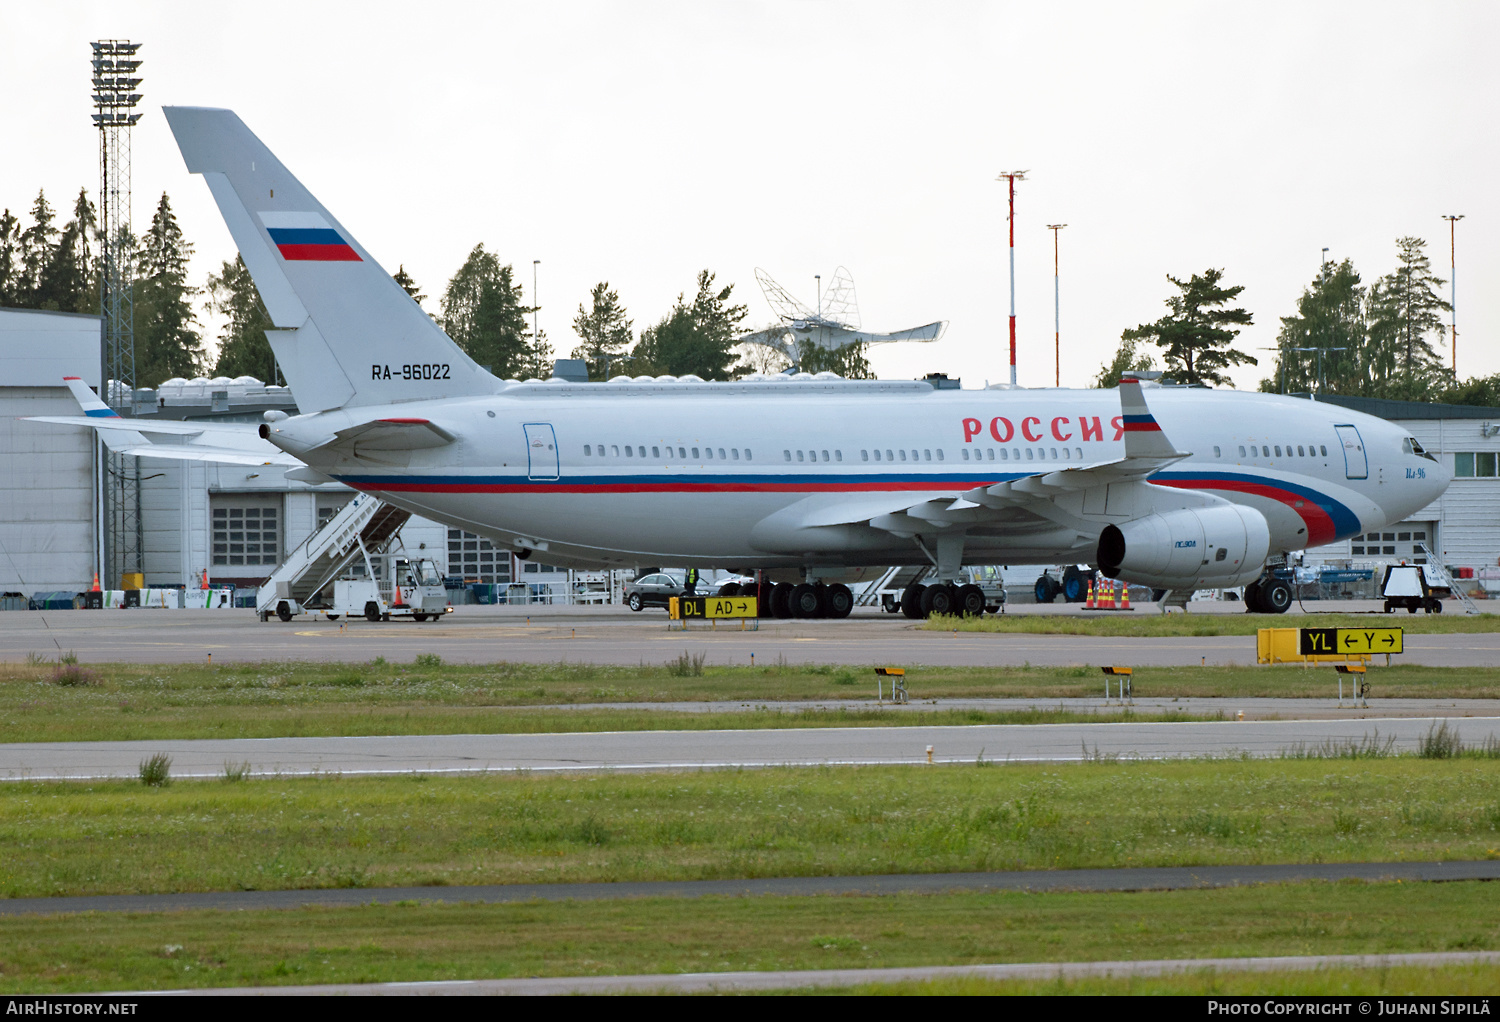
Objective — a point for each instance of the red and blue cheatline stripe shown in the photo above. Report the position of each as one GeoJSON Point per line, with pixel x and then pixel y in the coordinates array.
{"type": "Point", "coordinates": [1327, 520]}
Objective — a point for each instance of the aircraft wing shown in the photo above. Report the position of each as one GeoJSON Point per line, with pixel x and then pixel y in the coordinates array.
{"type": "Point", "coordinates": [234, 443]}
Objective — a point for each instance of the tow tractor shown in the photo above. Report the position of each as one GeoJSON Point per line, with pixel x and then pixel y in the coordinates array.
{"type": "Point", "coordinates": [413, 588]}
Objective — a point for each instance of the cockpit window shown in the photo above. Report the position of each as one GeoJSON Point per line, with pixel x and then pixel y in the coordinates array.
{"type": "Point", "coordinates": [1411, 446]}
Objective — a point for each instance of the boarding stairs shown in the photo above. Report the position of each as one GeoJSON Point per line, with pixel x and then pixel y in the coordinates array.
{"type": "Point", "coordinates": [895, 579]}
{"type": "Point", "coordinates": [1448, 580]}
{"type": "Point", "coordinates": [365, 522]}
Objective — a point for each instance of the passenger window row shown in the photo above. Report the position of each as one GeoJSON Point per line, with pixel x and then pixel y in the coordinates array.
{"type": "Point", "coordinates": [631, 451]}
{"type": "Point", "coordinates": [1264, 451]}
{"type": "Point", "coordinates": [806, 456]}
{"type": "Point", "coordinates": [922, 455]}
{"type": "Point", "coordinates": [1040, 454]}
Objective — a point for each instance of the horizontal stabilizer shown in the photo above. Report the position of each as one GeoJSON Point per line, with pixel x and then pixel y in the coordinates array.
{"type": "Point", "coordinates": [389, 435]}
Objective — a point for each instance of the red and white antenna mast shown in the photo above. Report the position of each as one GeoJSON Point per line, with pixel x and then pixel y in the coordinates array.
{"type": "Point", "coordinates": [1012, 176]}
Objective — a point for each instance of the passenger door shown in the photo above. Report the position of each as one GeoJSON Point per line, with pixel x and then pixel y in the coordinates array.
{"type": "Point", "coordinates": [1356, 464]}
{"type": "Point", "coordinates": [541, 451]}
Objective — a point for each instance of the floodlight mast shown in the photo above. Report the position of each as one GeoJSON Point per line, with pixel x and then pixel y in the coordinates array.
{"type": "Point", "coordinates": [1012, 176]}
{"type": "Point", "coordinates": [114, 79]}
{"type": "Point", "coordinates": [1056, 306]}
{"type": "Point", "coordinates": [1453, 283]}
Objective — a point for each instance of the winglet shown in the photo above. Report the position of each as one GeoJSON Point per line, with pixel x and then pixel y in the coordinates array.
{"type": "Point", "coordinates": [1143, 434]}
{"type": "Point", "coordinates": [88, 400]}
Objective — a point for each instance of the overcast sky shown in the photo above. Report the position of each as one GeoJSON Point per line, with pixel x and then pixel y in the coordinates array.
{"type": "Point", "coordinates": [640, 142]}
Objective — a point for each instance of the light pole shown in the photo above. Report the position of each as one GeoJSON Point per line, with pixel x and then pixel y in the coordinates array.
{"type": "Point", "coordinates": [1453, 284]}
{"type": "Point", "coordinates": [1012, 176]}
{"type": "Point", "coordinates": [1056, 307]}
{"type": "Point", "coordinates": [535, 303]}
{"type": "Point", "coordinates": [1320, 365]}
{"type": "Point", "coordinates": [818, 290]}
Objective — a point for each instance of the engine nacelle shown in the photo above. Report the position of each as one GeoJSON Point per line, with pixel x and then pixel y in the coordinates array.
{"type": "Point", "coordinates": [1191, 548]}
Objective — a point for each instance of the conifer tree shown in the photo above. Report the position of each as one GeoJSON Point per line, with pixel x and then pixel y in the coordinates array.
{"type": "Point", "coordinates": [1195, 334]}
{"type": "Point", "coordinates": [10, 269]}
{"type": "Point", "coordinates": [243, 348]}
{"type": "Point", "coordinates": [37, 245]}
{"type": "Point", "coordinates": [408, 285]}
{"type": "Point", "coordinates": [605, 331]}
{"type": "Point", "coordinates": [166, 344]}
{"type": "Point", "coordinates": [484, 314]}
{"type": "Point", "coordinates": [696, 339]}
{"type": "Point", "coordinates": [1405, 309]}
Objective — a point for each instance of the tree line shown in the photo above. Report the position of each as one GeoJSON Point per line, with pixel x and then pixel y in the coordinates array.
{"type": "Point", "coordinates": [483, 307]}
{"type": "Point", "coordinates": [1384, 340]}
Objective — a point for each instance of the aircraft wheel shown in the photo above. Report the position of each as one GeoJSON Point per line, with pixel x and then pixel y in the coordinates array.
{"type": "Point", "coordinates": [911, 601]}
{"type": "Point", "coordinates": [1252, 598]}
{"type": "Point", "coordinates": [635, 603]}
{"type": "Point", "coordinates": [781, 599]}
{"type": "Point", "coordinates": [283, 611]}
{"type": "Point", "coordinates": [1276, 596]}
{"type": "Point", "coordinates": [729, 589]}
{"type": "Point", "coordinates": [971, 601]}
{"type": "Point", "coordinates": [939, 600]}
{"type": "Point", "coordinates": [840, 601]}
{"type": "Point", "coordinates": [805, 602]}
{"type": "Point", "coordinates": [750, 590]}
{"type": "Point", "coordinates": [372, 611]}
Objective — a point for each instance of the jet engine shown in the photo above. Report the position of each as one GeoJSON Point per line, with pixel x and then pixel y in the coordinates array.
{"type": "Point", "coordinates": [1190, 548]}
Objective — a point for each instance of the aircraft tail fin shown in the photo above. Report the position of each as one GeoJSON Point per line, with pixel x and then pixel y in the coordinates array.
{"type": "Point", "coordinates": [346, 333]}
{"type": "Point", "coordinates": [92, 406]}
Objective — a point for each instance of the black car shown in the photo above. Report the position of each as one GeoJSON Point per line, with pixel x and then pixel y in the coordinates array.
{"type": "Point", "coordinates": [654, 590]}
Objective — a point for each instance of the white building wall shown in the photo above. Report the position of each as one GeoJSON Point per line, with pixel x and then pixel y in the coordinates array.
{"type": "Point", "coordinates": [1469, 512]}
{"type": "Point", "coordinates": [47, 498]}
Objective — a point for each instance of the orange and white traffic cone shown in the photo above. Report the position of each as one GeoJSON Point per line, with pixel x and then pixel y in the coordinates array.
{"type": "Point", "coordinates": [95, 587]}
{"type": "Point", "coordinates": [1089, 603]}
{"type": "Point", "coordinates": [1125, 596]}
{"type": "Point", "coordinates": [204, 583]}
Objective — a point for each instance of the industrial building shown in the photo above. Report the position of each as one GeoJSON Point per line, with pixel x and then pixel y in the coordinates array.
{"type": "Point", "coordinates": [236, 523]}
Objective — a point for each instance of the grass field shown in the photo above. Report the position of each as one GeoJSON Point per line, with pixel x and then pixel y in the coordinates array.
{"type": "Point", "coordinates": [1166, 625]}
{"type": "Point", "coordinates": [64, 838]}
{"type": "Point", "coordinates": [415, 941]}
{"type": "Point", "coordinates": [42, 702]}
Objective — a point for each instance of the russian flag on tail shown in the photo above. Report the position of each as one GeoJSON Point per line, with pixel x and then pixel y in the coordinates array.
{"type": "Point", "coordinates": [307, 237]}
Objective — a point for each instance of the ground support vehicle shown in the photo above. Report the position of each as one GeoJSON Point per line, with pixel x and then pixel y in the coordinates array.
{"type": "Point", "coordinates": [412, 588]}
{"type": "Point", "coordinates": [1415, 587]}
{"type": "Point", "coordinates": [1071, 582]}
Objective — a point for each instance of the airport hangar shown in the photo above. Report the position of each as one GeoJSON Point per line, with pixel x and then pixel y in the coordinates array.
{"type": "Point", "coordinates": [199, 516]}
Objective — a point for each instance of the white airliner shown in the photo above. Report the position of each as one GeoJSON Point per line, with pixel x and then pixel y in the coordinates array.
{"type": "Point", "coordinates": [815, 480]}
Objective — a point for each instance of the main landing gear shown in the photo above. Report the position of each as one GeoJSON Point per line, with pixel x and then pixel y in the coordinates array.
{"type": "Point", "coordinates": [807, 600]}
{"type": "Point", "coordinates": [1268, 595]}
{"type": "Point", "coordinates": [921, 601]}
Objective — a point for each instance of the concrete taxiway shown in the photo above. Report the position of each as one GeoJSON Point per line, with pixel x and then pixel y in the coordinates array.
{"type": "Point", "coordinates": [606, 635]}
{"type": "Point", "coordinates": [699, 750]}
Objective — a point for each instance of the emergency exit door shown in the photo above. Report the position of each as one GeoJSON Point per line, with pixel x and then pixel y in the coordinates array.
{"type": "Point", "coordinates": [1356, 464]}
{"type": "Point", "coordinates": [541, 451]}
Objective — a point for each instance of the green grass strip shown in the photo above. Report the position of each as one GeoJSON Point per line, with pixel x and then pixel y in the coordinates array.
{"type": "Point", "coordinates": [411, 942]}
{"type": "Point", "coordinates": [42, 702]}
{"type": "Point", "coordinates": [71, 838]}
